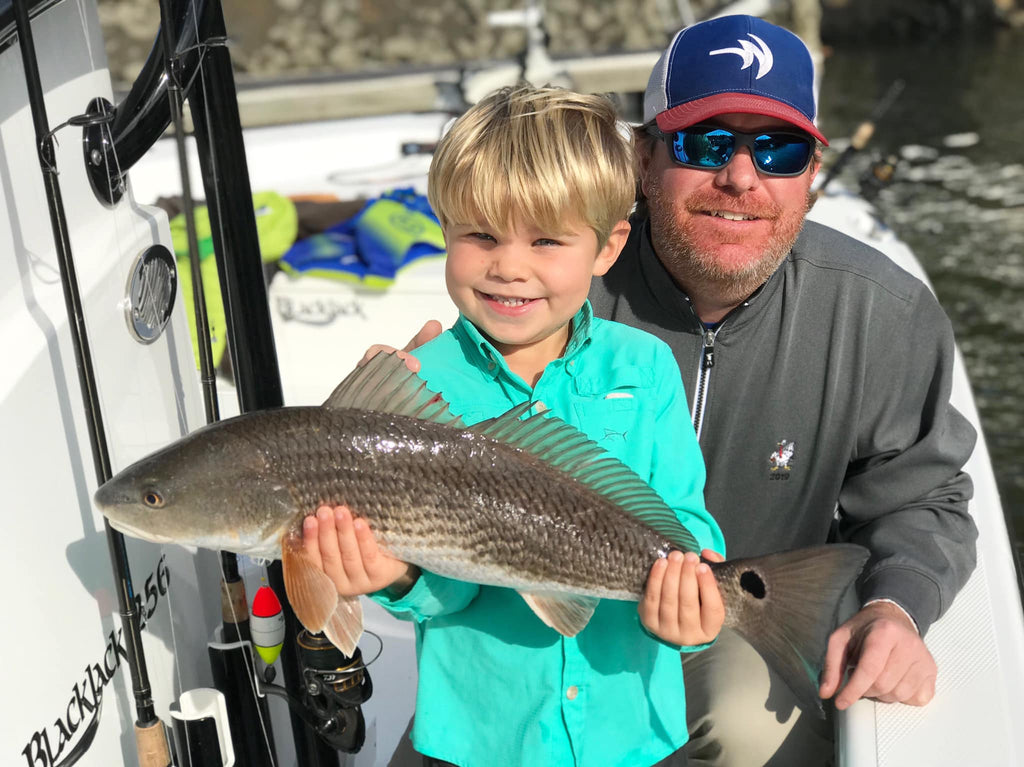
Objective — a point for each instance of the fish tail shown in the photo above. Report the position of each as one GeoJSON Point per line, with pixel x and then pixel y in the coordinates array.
{"type": "Point", "coordinates": [786, 606]}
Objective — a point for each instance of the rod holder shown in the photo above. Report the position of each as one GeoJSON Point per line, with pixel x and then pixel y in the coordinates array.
{"type": "Point", "coordinates": [202, 736]}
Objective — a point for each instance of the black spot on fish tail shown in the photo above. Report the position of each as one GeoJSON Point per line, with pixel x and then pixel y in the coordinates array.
{"type": "Point", "coordinates": [751, 583]}
{"type": "Point", "coordinates": [786, 605]}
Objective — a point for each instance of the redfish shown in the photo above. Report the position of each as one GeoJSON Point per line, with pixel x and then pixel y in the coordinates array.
{"type": "Point", "coordinates": [527, 503]}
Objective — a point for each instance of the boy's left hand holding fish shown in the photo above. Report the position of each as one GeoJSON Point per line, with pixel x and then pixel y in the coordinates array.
{"type": "Point", "coordinates": [681, 604]}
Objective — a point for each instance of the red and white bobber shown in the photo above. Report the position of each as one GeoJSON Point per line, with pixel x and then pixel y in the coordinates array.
{"type": "Point", "coordinates": [267, 624]}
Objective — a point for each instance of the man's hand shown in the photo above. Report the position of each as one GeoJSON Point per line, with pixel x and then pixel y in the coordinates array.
{"type": "Point", "coordinates": [890, 660]}
{"type": "Point", "coordinates": [429, 331]}
{"type": "Point", "coordinates": [344, 547]}
{"type": "Point", "coordinates": [682, 604]}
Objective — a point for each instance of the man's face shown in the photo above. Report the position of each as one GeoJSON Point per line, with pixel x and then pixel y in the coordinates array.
{"type": "Point", "coordinates": [731, 226]}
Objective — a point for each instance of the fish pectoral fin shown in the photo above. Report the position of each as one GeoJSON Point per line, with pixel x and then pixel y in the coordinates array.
{"type": "Point", "coordinates": [315, 599]}
{"type": "Point", "coordinates": [568, 614]}
{"type": "Point", "coordinates": [345, 626]}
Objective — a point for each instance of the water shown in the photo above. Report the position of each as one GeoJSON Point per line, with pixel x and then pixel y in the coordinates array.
{"type": "Point", "coordinates": [957, 199]}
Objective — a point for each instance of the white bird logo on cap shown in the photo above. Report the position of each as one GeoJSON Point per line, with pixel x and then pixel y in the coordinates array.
{"type": "Point", "coordinates": [748, 52]}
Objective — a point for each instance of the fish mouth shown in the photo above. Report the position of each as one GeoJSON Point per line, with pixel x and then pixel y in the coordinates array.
{"type": "Point", "coordinates": [145, 535]}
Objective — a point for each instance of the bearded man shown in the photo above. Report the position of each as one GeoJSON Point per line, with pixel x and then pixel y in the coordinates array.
{"type": "Point", "coordinates": [819, 377]}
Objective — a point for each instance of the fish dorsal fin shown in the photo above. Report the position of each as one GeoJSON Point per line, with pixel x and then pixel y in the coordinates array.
{"type": "Point", "coordinates": [386, 385]}
{"type": "Point", "coordinates": [568, 614]}
{"type": "Point", "coordinates": [568, 450]}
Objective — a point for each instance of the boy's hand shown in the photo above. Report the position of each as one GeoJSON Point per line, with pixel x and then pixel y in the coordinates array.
{"type": "Point", "coordinates": [344, 547]}
{"type": "Point", "coordinates": [430, 331]}
{"type": "Point", "coordinates": [682, 604]}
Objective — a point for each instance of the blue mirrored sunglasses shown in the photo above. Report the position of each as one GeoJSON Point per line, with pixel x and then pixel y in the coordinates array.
{"type": "Point", "coordinates": [708, 147]}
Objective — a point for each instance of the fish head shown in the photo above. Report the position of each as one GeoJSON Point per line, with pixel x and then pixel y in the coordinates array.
{"type": "Point", "coordinates": [209, 489]}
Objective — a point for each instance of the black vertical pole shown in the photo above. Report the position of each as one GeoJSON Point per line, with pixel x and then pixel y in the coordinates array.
{"type": "Point", "coordinates": [218, 131]}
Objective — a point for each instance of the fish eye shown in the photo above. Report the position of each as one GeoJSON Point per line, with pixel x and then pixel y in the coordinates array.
{"type": "Point", "coordinates": [153, 499]}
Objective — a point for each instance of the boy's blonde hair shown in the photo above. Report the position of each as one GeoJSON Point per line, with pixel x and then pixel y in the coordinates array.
{"type": "Point", "coordinates": [536, 156]}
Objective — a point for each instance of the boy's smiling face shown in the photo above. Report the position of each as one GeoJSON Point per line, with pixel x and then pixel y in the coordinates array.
{"type": "Point", "coordinates": [521, 288]}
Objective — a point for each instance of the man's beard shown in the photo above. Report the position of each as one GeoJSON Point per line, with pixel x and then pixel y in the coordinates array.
{"type": "Point", "coordinates": [697, 265]}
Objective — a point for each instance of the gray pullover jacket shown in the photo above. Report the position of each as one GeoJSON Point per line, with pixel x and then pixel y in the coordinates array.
{"type": "Point", "coordinates": [828, 390]}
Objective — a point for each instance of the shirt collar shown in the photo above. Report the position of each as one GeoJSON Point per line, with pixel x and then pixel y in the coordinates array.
{"type": "Point", "coordinates": [481, 353]}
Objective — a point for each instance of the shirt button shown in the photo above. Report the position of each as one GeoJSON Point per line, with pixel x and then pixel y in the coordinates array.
{"type": "Point", "coordinates": [490, 366]}
{"type": "Point", "coordinates": [572, 692]}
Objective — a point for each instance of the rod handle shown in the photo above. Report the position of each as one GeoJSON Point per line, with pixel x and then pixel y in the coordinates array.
{"type": "Point", "coordinates": [233, 607]}
{"type": "Point", "coordinates": [151, 743]}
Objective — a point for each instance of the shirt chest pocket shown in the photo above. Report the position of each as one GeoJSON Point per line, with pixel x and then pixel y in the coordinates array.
{"type": "Point", "coordinates": [616, 410]}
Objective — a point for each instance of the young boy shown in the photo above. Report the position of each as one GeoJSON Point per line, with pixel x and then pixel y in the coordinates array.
{"type": "Point", "coordinates": [532, 187]}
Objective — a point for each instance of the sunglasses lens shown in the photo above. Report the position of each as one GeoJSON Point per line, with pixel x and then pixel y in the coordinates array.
{"type": "Point", "coordinates": [710, 149]}
{"type": "Point", "coordinates": [782, 154]}
{"type": "Point", "coordinates": [776, 154]}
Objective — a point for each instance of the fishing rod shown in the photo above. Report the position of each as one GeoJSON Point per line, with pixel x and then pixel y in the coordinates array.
{"type": "Point", "coordinates": [150, 737]}
{"type": "Point", "coordinates": [175, 94]}
{"type": "Point", "coordinates": [864, 132]}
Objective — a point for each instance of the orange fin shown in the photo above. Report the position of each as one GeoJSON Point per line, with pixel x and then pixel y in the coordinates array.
{"type": "Point", "coordinates": [345, 626]}
{"type": "Point", "coordinates": [568, 614]}
{"type": "Point", "coordinates": [316, 601]}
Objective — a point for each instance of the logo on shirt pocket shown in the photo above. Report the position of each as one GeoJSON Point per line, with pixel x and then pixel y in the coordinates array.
{"type": "Point", "coordinates": [622, 402]}
{"type": "Point", "coordinates": [781, 459]}
{"type": "Point", "coordinates": [614, 416]}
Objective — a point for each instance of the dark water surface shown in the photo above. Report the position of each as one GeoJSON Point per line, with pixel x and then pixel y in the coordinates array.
{"type": "Point", "coordinates": [957, 199]}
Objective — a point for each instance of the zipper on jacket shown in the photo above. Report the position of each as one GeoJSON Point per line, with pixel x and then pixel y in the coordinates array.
{"type": "Point", "coordinates": [707, 358]}
{"type": "Point", "coordinates": [707, 361]}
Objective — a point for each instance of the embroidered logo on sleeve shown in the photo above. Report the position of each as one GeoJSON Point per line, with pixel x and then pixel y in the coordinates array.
{"type": "Point", "coordinates": [780, 459]}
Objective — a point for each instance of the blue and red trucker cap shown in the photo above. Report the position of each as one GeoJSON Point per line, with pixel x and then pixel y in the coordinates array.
{"type": "Point", "coordinates": [732, 64]}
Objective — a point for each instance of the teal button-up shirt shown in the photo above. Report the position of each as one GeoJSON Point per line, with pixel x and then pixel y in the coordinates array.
{"type": "Point", "coordinates": [496, 685]}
